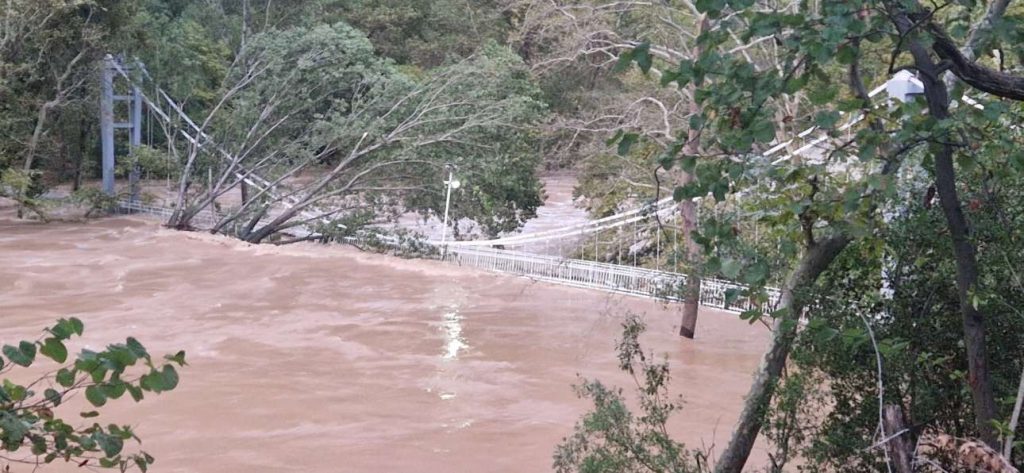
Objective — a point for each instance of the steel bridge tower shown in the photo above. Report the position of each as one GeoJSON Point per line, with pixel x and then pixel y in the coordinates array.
{"type": "Point", "coordinates": [108, 124]}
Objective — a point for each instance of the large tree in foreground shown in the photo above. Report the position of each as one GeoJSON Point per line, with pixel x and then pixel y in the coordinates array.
{"type": "Point", "coordinates": [835, 196]}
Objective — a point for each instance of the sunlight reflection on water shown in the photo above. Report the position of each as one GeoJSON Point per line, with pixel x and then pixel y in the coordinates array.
{"type": "Point", "coordinates": [452, 327]}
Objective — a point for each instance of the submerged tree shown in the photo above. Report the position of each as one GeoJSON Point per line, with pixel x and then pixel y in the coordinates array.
{"type": "Point", "coordinates": [612, 438]}
{"type": "Point", "coordinates": [323, 128]}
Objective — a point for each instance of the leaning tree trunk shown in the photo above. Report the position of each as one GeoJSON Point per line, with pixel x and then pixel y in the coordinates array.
{"type": "Point", "coordinates": [37, 133]}
{"type": "Point", "coordinates": [814, 261]}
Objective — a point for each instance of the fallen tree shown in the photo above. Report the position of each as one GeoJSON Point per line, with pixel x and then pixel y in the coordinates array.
{"type": "Point", "coordinates": [321, 128]}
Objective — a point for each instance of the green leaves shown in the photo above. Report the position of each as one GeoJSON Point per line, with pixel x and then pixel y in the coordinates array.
{"type": "Point", "coordinates": [711, 7]}
{"type": "Point", "coordinates": [65, 377]}
{"type": "Point", "coordinates": [136, 348]}
{"type": "Point", "coordinates": [24, 354]}
{"type": "Point", "coordinates": [111, 445]}
{"type": "Point", "coordinates": [763, 131]}
{"type": "Point", "coordinates": [756, 274]}
{"type": "Point", "coordinates": [666, 162]}
{"type": "Point", "coordinates": [731, 268]}
{"type": "Point", "coordinates": [796, 84]}
{"type": "Point", "coordinates": [28, 418]}
{"type": "Point", "coordinates": [65, 328]}
{"type": "Point", "coordinates": [626, 142]}
{"type": "Point", "coordinates": [679, 193]}
{"type": "Point", "coordinates": [688, 163]}
{"type": "Point", "coordinates": [641, 54]}
{"type": "Point", "coordinates": [178, 358]}
{"type": "Point", "coordinates": [822, 94]}
{"type": "Point", "coordinates": [135, 391]}
{"type": "Point", "coordinates": [54, 349]}
{"type": "Point", "coordinates": [113, 389]}
{"type": "Point", "coordinates": [52, 396]}
{"type": "Point", "coordinates": [846, 54]}
{"type": "Point", "coordinates": [95, 396]}
{"type": "Point", "coordinates": [13, 429]}
{"type": "Point", "coordinates": [826, 118]}
{"type": "Point", "coordinates": [732, 295]}
{"type": "Point", "coordinates": [165, 379]}
{"type": "Point", "coordinates": [13, 392]}
{"type": "Point", "coordinates": [639, 440]}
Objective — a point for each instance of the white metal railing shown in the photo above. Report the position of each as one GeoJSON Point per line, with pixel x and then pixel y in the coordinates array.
{"type": "Point", "coordinates": [606, 277]}
{"type": "Point", "coordinates": [204, 219]}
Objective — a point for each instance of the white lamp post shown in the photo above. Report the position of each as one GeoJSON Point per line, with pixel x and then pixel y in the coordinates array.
{"type": "Point", "coordinates": [452, 183]}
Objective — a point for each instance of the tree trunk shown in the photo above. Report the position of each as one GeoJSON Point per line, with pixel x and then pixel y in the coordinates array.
{"type": "Point", "coordinates": [897, 443]}
{"type": "Point", "coordinates": [271, 228]}
{"type": "Point", "coordinates": [814, 261]}
{"type": "Point", "coordinates": [691, 297]}
{"type": "Point", "coordinates": [979, 378]}
{"type": "Point", "coordinates": [78, 153]}
{"type": "Point", "coordinates": [37, 133]}
{"type": "Point", "coordinates": [688, 218]}
{"type": "Point", "coordinates": [245, 193]}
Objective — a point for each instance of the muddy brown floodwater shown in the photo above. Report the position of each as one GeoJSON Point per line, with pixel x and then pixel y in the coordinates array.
{"type": "Point", "coordinates": [324, 359]}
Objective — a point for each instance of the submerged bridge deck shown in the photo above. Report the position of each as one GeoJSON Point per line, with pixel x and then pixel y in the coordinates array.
{"type": "Point", "coordinates": [606, 277]}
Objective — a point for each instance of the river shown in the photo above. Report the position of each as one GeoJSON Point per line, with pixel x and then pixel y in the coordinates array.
{"type": "Point", "coordinates": [313, 358]}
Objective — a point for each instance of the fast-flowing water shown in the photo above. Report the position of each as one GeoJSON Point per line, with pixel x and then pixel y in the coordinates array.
{"type": "Point", "coordinates": [559, 211]}
{"type": "Point", "coordinates": [315, 359]}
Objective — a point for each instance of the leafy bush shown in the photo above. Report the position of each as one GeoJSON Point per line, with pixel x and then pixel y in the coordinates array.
{"type": "Point", "coordinates": [95, 199]}
{"type": "Point", "coordinates": [30, 418]}
{"type": "Point", "coordinates": [611, 438]}
{"type": "Point", "coordinates": [22, 187]}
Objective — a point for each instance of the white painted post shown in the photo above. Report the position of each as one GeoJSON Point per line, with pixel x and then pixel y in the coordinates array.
{"type": "Point", "coordinates": [452, 183]}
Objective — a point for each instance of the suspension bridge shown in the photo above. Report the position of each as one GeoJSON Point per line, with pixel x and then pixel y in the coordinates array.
{"type": "Point", "coordinates": [518, 254]}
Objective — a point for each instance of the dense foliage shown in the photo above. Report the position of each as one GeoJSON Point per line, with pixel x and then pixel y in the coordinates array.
{"type": "Point", "coordinates": [910, 299]}
{"type": "Point", "coordinates": [895, 237]}
{"type": "Point", "coordinates": [284, 91]}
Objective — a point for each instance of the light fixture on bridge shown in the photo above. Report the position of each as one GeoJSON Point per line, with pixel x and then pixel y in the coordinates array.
{"type": "Point", "coordinates": [452, 183]}
{"type": "Point", "coordinates": [904, 86]}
